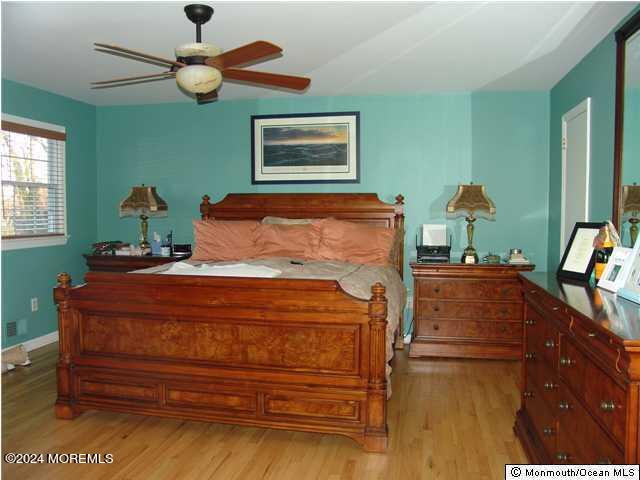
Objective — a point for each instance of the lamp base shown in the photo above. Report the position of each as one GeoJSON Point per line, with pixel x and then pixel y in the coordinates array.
{"type": "Point", "coordinates": [470, 256]}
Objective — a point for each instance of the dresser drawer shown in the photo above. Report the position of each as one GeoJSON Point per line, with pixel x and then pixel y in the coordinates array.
{"type": "Point", "coordinates": [580, 438]}
{"type": "Point", "coordinates": [545, 301]}
{"type": "Point", "coordinates": [544, 380]}
{"type": "Point", "coordinates": [485, 330]}
{"type": "Point", "coordinates": [472, 289]}
{"type": "Point", "coordinates": [472, 310]}
{"type": "Point", "coordinates": [541, 338]}
{"type": "Point", "coordinates": [605, 398]}
{"type": "Point", "coordinates": [543, 418]}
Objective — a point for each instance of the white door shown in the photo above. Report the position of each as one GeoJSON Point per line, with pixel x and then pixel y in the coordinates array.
{"type": "Point", "coordinates": [576, 155]}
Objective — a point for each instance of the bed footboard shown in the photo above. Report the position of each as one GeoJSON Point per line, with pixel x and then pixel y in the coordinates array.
{"type": "Point", "coordinates": [277, 353]}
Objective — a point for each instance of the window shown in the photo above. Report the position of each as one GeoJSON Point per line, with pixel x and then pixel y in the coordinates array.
{"type": "Point", "coordinates": [33, 183]}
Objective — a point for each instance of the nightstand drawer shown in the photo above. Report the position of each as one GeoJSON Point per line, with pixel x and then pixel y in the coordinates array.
{"type": "Point", "coordinates": [471, 310]}
{"type": "Point", "coordinates": [469, 329]}
{"type": "Point", "coordinates": [461, 289]}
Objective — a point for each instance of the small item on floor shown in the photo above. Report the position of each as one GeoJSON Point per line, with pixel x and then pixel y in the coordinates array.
{"type": "Point", "coordinates": [15, 356]}
{"type": "Point", "coordinates": [295, 262]}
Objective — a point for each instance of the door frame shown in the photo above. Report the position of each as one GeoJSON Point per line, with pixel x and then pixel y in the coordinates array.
{"type": "Point", "coordinates": [582, 107]}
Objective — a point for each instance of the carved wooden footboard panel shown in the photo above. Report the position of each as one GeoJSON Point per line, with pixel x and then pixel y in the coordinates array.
{"type": "Point", "coordinates": [290, 354]}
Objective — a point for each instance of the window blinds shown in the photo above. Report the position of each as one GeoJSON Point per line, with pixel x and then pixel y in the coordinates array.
{"type": "Point", "coordinates": [33, 181]}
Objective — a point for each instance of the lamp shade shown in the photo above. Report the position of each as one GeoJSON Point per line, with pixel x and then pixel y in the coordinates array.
{"type": "Point", "coordinates": [198, 78]}
{"type": "Point", "coordinates": [143, 200]}
{"type": "Point", "coordinates": [631, 198]}
{"type": "Point", "coordinates": [470, 200]}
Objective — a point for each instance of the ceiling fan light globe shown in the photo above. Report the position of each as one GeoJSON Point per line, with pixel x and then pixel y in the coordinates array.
{"type": "Point", "coordinates": [197, 50]}
{"type": "Point", "coordinates": [198, 78]}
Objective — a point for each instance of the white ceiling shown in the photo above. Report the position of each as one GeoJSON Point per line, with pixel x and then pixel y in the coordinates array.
{"type": "Point", "coordinates": [347, 48]}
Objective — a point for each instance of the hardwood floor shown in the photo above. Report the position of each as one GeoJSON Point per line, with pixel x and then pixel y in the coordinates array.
{"type": "Point", "coordinates": [448, 419]}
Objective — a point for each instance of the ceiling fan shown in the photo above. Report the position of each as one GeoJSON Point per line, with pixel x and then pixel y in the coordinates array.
{"type": "Point", "coordinates": [199, 67]}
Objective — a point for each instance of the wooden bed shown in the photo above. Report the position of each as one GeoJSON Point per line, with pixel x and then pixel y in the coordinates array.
{"type": "Point", "coordinates": [278, 353]}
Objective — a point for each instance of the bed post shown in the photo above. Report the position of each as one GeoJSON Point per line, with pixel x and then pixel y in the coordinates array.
{"type": "Point", "coordinates": [204, 207]}
{"type": "Point", "coordinates": [64, 407]}
{"type": "Point", "coordinates": [375, 435]}
{"type": "Point", "coordinates": [399, 224]}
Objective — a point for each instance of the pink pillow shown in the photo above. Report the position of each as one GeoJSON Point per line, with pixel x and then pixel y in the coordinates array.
{"type": "Point", "coordinates": [280, 240]}
{"type": "Point", "coordinates": [224, 240]}
{"type": "Point", "coordinates": [355, 242]}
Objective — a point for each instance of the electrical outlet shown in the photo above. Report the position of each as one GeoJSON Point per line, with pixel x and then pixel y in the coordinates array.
{"type": "Point", "coordinates": [34, 304]}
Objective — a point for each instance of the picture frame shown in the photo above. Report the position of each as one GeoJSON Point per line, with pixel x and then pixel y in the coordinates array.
{"type": "Point", "coordinates": [617, 270]}
{"type": "Point", "coordinates": [305, 148]}
{"type": "Point", "coordinates": [579, 256]}
{"type": "Point", "coordinates": [631, 289]}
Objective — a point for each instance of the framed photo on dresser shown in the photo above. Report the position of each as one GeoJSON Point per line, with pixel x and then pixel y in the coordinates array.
{"type": "Point", "coordinates": [617, 270]}
{"type": "Point", "coordinates": [305, 148]}
{"type": "Point", "coordinates": [579, 256]}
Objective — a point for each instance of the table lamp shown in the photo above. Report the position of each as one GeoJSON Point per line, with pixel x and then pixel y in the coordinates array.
{"type": "Point", "coordinates": [145, 202]}
{"type": "Point", "coordinates": [468, 201]}
{"type": "Point", "coordinates": [631, 208]}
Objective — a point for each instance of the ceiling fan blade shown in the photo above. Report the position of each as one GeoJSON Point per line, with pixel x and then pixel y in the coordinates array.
{"type": "Point", "coordinates": [249, 53]}
{"type": "Point", "coordinates": [131, 82]}
{"type": "Point", "coordinates": [140, 54]}
{"type": "Point", "coordinates": [266, 79]}
{"type": "Point", "coordinates": [204, 98]}
{"type": "Point", "coordinates": [129, 79]}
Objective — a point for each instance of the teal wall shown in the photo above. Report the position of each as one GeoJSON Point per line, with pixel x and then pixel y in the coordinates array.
{"type": "Point", "coordinates": [32, 272]}
{"type": "Point", "coordinates": [419, 145]}
{"type": "Point", "coordinates": [594, 77]}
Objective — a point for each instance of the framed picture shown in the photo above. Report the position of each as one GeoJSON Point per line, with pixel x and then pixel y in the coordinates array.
{"type": "Point", "coordinates": [579, 257]}
{"type": "Point", "coordinates": [305, 148]}
{"type": "Point", "coordinates": [617, 270]}
{"type": "Point", "coordinates": [631, 289]}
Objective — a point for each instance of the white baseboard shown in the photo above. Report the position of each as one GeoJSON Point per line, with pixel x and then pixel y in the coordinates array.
{"type": "Point", "coordinates": [38, 341]}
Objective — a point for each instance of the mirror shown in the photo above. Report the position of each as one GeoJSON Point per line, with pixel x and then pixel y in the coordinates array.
{"type": "Point", "coordinates": [626, 189]}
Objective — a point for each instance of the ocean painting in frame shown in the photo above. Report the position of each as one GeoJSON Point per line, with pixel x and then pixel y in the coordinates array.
{"type": "Point", "coordinates": [305, 148]}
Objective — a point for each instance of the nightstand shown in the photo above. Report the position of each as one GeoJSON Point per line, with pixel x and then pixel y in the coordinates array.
{"type": "Point", "coordinates": [471, 311]}
{"type": "Point", "coordinates": [126, 263]}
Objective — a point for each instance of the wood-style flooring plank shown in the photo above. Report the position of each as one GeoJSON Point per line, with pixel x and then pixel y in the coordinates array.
{"type": "Point", "coordinates": [448, 420]}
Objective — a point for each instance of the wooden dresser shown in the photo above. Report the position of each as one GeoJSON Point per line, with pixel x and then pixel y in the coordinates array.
{"type": "Point", "coordinates": [472, 311]}
{"type": "Point", "coordinates": [581, 374]}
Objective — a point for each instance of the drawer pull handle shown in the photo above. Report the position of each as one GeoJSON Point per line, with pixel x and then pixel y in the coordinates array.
{"type": "Point", "coordinates": [530, 322]}
{"type": "Point", "coordinates": [533, 291]}
{"type": "Point", "coordinates": [591, 334]}
{"type": "Point", "coordinates": [436, 327]}
{"type": "Point", "coordinates": [527, 394]}
{"type": "Point", "coordinates": [604, 461]}
{"type": "Point", "coordinates": [566, 361]}
{"type": "Point", "coordinates": [556, 308]}
{"type": "Point", "coordinates": [548, 431]}
{"type": "Point", "coordinates": [436, 308]}
{"type": "Point", "coordinates": [564, 406]}
{"type": "Point", "coordinates": [436, 289]}
{"type": "Point", "coordinates": [549, 344]}
{"type": "Point", "coordinates": [530, 356]}
{"type": "Point", "coordinates": [607, 406]}
{"type": "Point", "coordinates": [562, 457]}
{"type": "Point", "coordinates": [550, 386]}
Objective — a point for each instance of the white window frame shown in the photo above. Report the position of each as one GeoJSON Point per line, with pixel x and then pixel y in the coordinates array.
{"type": "Point", "coordinates": [33, 242]}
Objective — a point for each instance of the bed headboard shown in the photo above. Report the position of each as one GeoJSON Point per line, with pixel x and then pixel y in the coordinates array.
{"type": "Point", "coordinates": [354, 207]}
